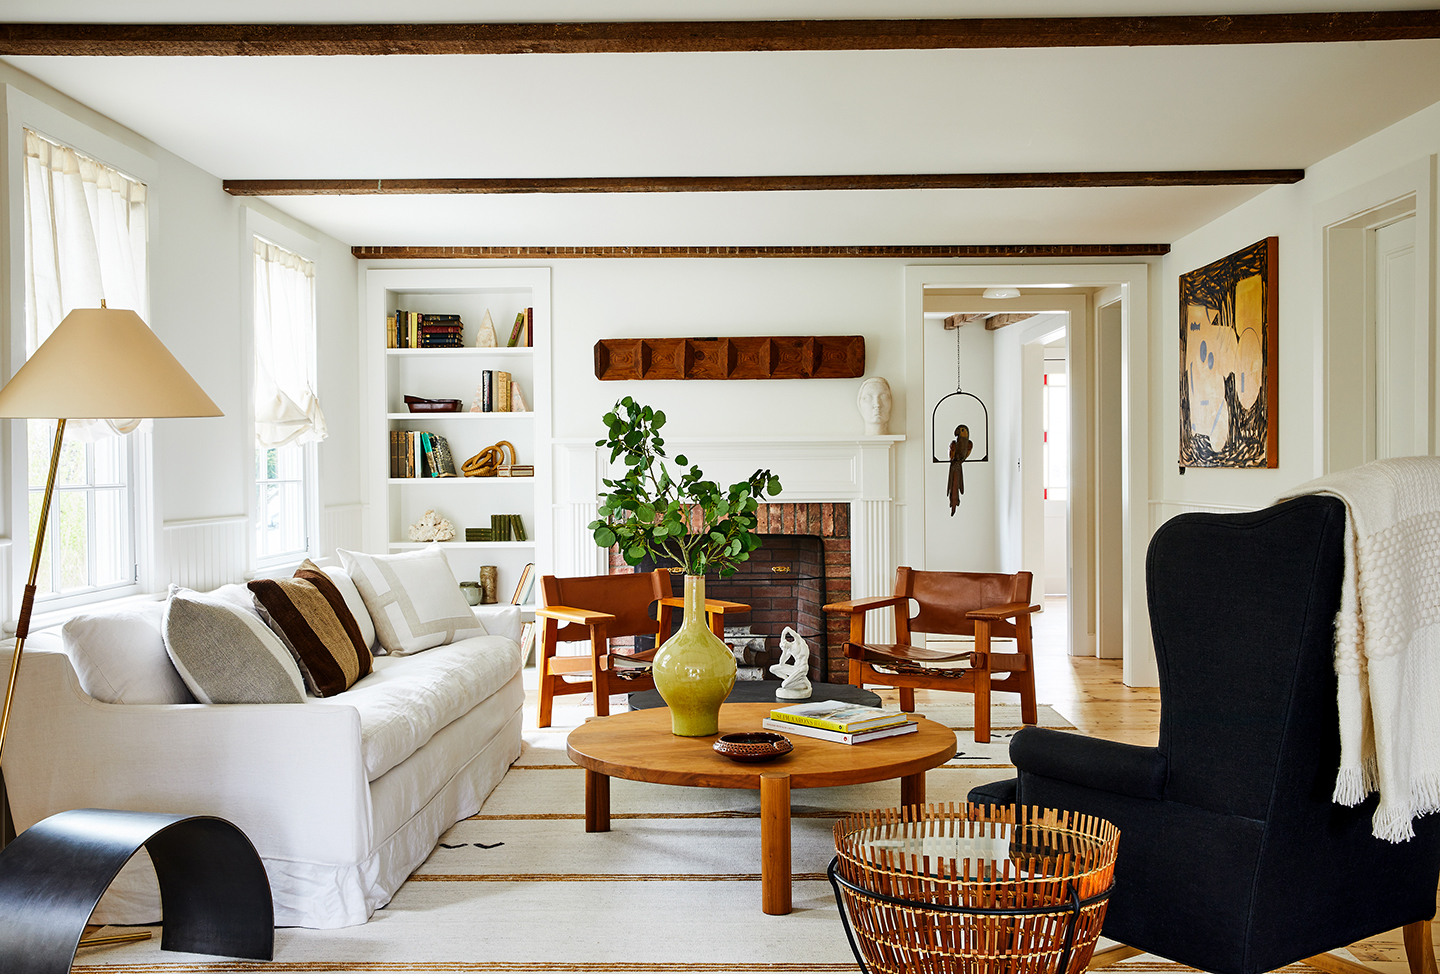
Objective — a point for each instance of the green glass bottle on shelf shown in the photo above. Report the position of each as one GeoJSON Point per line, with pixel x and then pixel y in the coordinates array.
{"type": "Point", "coordinates": [694, 670]}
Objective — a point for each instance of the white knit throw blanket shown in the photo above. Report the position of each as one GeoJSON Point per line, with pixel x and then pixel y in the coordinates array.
{"type": "Point", "coordinates": [1387, 639]}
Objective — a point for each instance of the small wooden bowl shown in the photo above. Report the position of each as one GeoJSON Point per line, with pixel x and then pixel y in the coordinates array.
{"type": "Point", "coordinates": [753, 746]}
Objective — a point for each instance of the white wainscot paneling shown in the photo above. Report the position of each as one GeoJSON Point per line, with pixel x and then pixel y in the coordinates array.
{"type": "Point", "coordinates": [342, 526]}
{"type": "Point", "coordinates": [207, 553]}
{"type": "Point", "coordinates": [1163, 510]}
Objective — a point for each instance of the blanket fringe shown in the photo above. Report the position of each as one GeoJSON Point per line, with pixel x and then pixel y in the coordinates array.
{"type": "Point", "coordinates": [1353, 784]}
{"type": "Point", "coordinates": [1393, 825]}
{"type": "Point", "coordinates": [1350, 787]}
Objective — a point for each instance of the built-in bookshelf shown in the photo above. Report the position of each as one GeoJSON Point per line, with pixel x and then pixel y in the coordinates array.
{"type": "Point", "coordinates": [455, 373]}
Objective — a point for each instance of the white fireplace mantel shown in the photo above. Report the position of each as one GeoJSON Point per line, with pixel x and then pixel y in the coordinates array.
{"type": "Point", "coordinates": [857, 470]}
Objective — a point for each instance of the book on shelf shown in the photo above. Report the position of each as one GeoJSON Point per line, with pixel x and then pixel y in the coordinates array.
{"type": "Point", "coordinates": [820, 734]}
{"type": "Point", "coordinates": [529, 327]}
{"type": "Point", "coordinates": [524, 586]}
{"type": "Point", "coordinates": [499, 527]}
{"type": "Point", "coordinates": [444, 459]}
{"type": "Point", "coordinates": [832, 715]}
{"type": "Point", "coordinates": [527, 641]}
{"type": "Point", "coordinates": [479, 534]}
{"type": "Point", "coordinates": [517, 528]}
{"type": "Point", "coordinates": [517, 332]}
{"type": "Point", "coordinates": [487, 390]}
{"type": "Point", "coordinates": [515, 470]}
{"type": "Point", "coordinates": [427, 449]}
{"type": "Point", "coordinates": [502, 392]}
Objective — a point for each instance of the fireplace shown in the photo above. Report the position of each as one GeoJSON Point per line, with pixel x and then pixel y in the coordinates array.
{"type": "Point", "coordinates": [802, 564]}
{"type": "Point", "coordinates": [838, 489]}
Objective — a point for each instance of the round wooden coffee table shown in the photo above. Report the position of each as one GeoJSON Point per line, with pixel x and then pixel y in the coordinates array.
{"type": "Point", "coordinates": [638, 745]}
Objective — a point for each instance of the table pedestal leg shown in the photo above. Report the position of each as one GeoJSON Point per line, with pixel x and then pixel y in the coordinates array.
{"type": "Point", "coordinates": [775, 843]}
{"type": "Point", "coordinates": [597, 801]}
{"type": "Point", "coordinates": [912, 790]}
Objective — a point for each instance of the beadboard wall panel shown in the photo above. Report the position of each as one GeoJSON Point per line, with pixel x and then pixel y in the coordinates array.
{"type": "Point", "coordinates": [207, 553]}
{"type": "Point", "coordinates": [341, 526]}
{"type": "Point", "coordinates": [1163, 510]}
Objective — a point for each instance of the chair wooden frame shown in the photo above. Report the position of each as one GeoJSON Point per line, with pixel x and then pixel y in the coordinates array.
{"type": "Point", "coordinates": [1003, 619]}
{"type": "Point", "coordinates": [560, 622]}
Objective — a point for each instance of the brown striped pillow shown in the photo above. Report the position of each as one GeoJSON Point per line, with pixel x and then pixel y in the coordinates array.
{"type": "Point", "coordinates": [310, 616]}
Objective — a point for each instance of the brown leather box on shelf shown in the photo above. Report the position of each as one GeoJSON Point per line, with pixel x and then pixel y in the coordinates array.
{"type": "Point", "coordinates": [417, 405]}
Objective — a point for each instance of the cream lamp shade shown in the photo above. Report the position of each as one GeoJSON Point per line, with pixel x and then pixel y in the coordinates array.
{"type": "Point", "coordinates": [103, 363]}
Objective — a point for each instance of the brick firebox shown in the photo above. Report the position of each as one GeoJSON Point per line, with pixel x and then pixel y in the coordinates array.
{"type": "Point", "coordinates": [784, 603]}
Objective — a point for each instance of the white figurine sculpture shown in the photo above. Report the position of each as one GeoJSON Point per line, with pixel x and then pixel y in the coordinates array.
{"type": "Point", "coordinates": [431, 527]}
{"type": "Point", "coordinates": [485, 336]}
{"type": "Point", "coordinates": [874, 402]}
{"type": "Point", "coordinates": [793, 668]}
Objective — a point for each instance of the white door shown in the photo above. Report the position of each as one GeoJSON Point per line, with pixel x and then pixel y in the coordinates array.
{"type": "Point", "coordinates": [1401, 384]}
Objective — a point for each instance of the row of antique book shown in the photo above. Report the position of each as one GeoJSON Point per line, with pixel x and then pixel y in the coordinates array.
{"type": "Point", "coordinates": [503, 527]}
{"type": "Point", "coordinates": [414, 329]}
{"type": "Point", "coordinates": [420, 454]}
{"type": "Point", "coordinates": [411, 329]}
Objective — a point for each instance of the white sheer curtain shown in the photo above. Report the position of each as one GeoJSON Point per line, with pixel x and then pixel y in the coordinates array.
{"type": "Point", "coordinates": [286, 409]}
{"type": "Point", "coordinates": [84, 242]}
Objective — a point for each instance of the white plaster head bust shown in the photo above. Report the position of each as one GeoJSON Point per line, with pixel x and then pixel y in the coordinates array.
{"type": "Point", "coordinates": [874, 402]}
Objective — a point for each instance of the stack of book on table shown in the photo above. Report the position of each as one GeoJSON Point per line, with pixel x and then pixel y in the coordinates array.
{"type": "Point", "coordinates": [843, 723]}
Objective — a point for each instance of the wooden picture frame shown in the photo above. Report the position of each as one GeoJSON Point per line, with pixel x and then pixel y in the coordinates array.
{"type": "Point", "coordinates": [1230, 360]}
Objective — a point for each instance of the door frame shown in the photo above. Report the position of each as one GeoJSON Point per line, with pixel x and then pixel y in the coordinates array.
{"type": "Point", "coordinates": [1344, 394]}
{"type": "Point", "coordinates": [1135, 295]}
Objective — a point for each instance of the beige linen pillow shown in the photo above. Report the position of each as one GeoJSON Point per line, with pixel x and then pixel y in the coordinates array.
{"type": "Point", "coordinates": [413, 599]}
{"type": "Point", "coordinates": [225, 654]}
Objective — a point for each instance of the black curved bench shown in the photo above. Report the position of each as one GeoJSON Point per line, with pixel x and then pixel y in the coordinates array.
{"type": "Point", "coordinates": [213, 889]}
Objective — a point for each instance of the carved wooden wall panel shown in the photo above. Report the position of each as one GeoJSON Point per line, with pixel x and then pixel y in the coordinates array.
{"type": "Point", "coordinates": [801, 357]}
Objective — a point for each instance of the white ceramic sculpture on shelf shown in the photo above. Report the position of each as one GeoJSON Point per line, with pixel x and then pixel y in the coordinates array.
{"type": "Point", "coordinates": [431, 527]}
{"type": "Point", "coordinates": [477, 401]}
{"type": "Point", "coordinates": [485, 336]}
{"type": "Point", "coordinates": [874, 402]}
{"type": "Point", "coordinates": [517, 399]}
{"type": "Point", "coordinates": [793, 668]}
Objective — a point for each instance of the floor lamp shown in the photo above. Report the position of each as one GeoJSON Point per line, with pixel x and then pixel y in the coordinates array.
{"type": "Point", "coordinates": [99, 363]}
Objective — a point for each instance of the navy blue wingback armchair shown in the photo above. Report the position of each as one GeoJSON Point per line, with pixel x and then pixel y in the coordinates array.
{"type": "Point", "coordinates": [1233, 858]}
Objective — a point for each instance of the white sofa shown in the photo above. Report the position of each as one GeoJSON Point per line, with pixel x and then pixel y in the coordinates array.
{"type": "Point", "coordinates": [342, 797]}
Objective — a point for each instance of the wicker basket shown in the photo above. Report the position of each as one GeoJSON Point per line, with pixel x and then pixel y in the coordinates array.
{"type": "Point", "coordinates": [966, 889]}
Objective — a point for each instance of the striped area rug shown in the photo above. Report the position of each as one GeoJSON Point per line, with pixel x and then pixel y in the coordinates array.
{"type": "Point", "coordinates": [520, 888]}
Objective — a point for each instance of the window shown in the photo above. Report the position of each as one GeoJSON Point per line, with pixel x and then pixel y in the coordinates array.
{"type": "Point", "coordinates": [288, 418]}
{"type": "Point", "coordinates": [85, 242]}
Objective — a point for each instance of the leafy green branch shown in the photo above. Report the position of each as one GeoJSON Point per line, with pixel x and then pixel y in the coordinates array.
{"type": "Point", "coordinates": [679, 517]}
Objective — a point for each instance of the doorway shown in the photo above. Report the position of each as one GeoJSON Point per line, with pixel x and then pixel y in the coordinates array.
{"type": "Point", "coordinates": [1378, 392]}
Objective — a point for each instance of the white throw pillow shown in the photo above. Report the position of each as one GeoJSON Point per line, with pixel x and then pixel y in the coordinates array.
{"type": "Point", "coordinates": [119, 655]}
{"type": "Point", "coordinates": [355, 604]}
{"type": "Point", "coordinates": [225, 654]}
{"type": "Point", "coordinates": [413, 599]}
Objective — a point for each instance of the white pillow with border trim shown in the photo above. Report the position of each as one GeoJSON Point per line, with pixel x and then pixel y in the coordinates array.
{"type": "Point", "coordinates": [356, 605]}
{"type": "Point", "coordinates": [413, 599]}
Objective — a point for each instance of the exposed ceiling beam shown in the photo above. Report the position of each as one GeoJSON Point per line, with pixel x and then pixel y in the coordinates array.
{"type": "Point", "coordinates": [955, 321]}
{"type": "Point", "coordinates": [919, 250]}
{"type": "Point", "coordinates": [997, 321]}
{"type": "Point", "coordinates": [231, 40]}
{"type": "Point", "coordinates": [758, 184]}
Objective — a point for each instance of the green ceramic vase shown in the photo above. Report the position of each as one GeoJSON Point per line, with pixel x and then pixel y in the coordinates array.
{"type": "Point", "coordinates": [694, 671]}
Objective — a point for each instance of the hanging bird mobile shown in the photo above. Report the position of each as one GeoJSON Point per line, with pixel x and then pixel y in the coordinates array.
{"type": "Point", "coordinates": [962, 446]}
{"type": "Point", "coordinates": [960, 449]}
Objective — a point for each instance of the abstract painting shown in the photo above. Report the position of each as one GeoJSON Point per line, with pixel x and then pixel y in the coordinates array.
{"type": "Point", "coordinates": [1229, 360]}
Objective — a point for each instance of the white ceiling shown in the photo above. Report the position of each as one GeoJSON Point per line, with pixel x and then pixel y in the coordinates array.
{"type": "Point", "coordinates": [1223, 107]}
